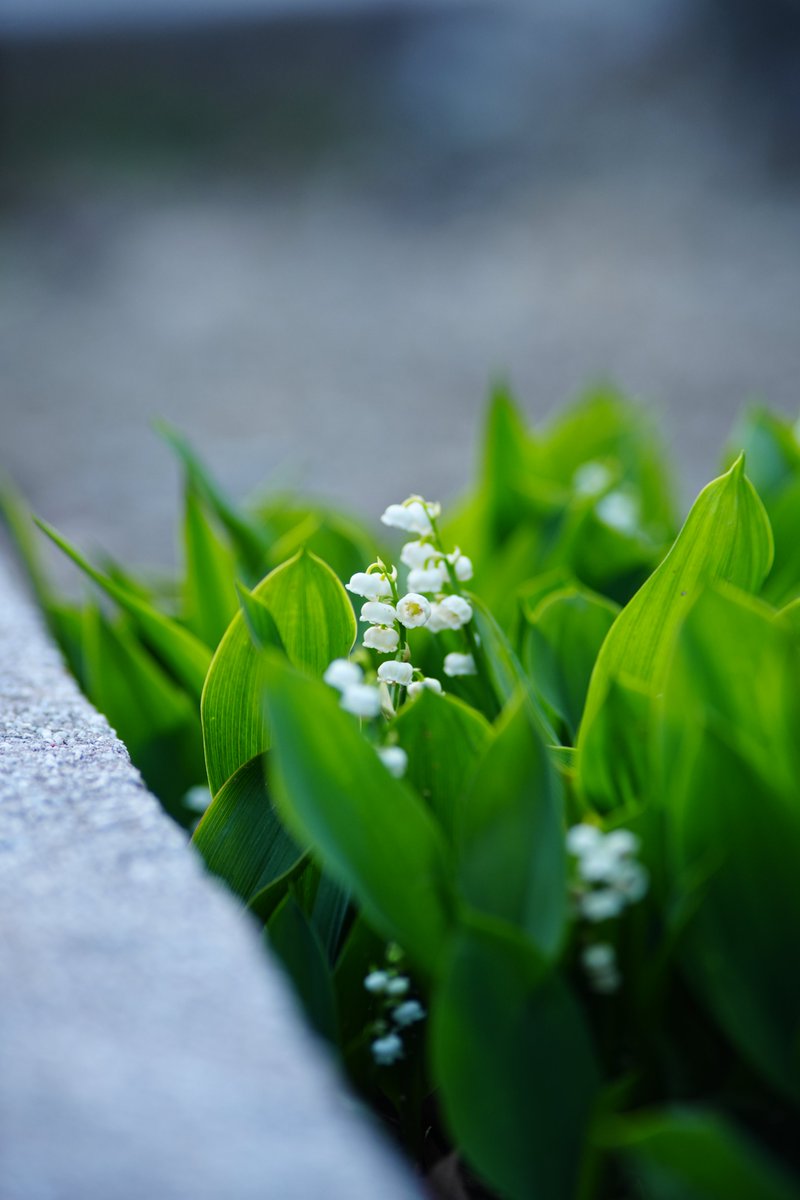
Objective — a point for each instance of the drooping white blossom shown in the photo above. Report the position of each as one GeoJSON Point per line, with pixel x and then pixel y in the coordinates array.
{"type": "Point", "coordinates": [370, 585]}
{"type": "Point", "coordinates": [459, 664]}
{"type": "Point", "coordinates": [411, 516]}
{"type": "Point", "coordinates": [398, 986]}
{"type": "Point", "coordinates": [413, 610]}
{"type": "Point", "coordinates": [376, 981]}
{"type": "Point", "coordinates": [387, 1049]}
{"type": "Point", "coordinates": [385, 641]}
{"type": "Point", "coordinates": [378, 612]}
{"type": "Point", "coordinates": [342, 673]}
{"type": "Point", "coordinates": [396, 672]}
{"type": "Point", "coordinates": [601, 904]}
{"type": "Point", "coordinates": [419, 554]}
{"type": "Point", "coordinates": [591, 478]}
{"type": "Point", "coordinates": [462, 566]}
{"type": "Point", "coordinates": [427, 579]}
{"type": "Point", "coordinates": [361, 699]}
{"type": "Point", "coordinates": [583, 838]}
{"type": "Point", "coordinates": [608, 878]}
{"type": "Point", "coordinates": [408, 1013]}
{"type": "Point", "coordinates": [599, 960]}
{"type": "Point", "coordinates": [395, 759]}
{"type": "Point", "coordinates": [427, 684]}
{"type": "Point", "coordinates": [451, 612]}
{"type": "Point", "coordinates": [619, 511]}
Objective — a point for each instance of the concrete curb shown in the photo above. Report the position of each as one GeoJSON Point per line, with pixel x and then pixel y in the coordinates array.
{"type": "Point", "coordinates": [147, 1050]}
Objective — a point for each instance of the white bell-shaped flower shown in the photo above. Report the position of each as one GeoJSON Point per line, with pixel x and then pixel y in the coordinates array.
{"type": "Point", "coordinates": [427, 579]}
{"type": "Point", "coordinates": [452, 612]}
{"type": "Point", "coordinates": [408, 1013]}
{"type": "Point", "coordinates": [419, 554]}
{"type": "Point", "coordinates": [387, 1050]}
{"type": "Point", "coordinates": [396, 672]}
{"type": "Point", "coordinates": [427, 684]}
{"type": "Point", "coordinates": [413, 610]}
{"type": "Point", "coordinates": [342, 673]}
{"type": "Point", "coordinates": [395, 759]}
{"type": "Point", "coordinates": [370, 585]}
{"type": "Point", "coordinates": [361, 699]}
{"type": "Point", "coordinates": [378, 612]}
{"type": "Point", "coordinates": [459, 664]}
{"type": "Point", "coordinates": [385, 641]}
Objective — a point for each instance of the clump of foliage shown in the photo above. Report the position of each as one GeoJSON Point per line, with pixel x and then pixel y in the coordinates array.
{"type": "Point", "coordinates": [529, 852]}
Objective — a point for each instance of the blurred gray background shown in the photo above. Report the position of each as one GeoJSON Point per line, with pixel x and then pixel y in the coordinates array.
{"type": "Point", "coordinates": [310, 233]}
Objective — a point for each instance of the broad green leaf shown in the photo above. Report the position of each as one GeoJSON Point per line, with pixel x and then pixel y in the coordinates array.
{"type": "Point", "coordinates": [770, 447]}
{"type": "Point", "coordinates": [515, 1065]}
{"type": "Point", "coordinates": [184, 654]}
{"type": "Point", "coordinates": [505, 464]}
{"type": "Point", "coordinates": [259, 620]}
{"type": "Point", "coordinates": [251, 540]}
{"type": "Point", "coordinates": [315, 622]}
{"type": "Point", "coordinates": [371, 832]}
{"type": "Point", "coordinates": [444, 739]}
{"type": "Point", "coordinates": [511, 858]}
{"type": "Point", "coordinates": [497, 663]}
{"type": "Point", "coordinates": [692, 1154]}
{"type": "Point", "coordinates": [614, 755]}
{"type": "Point", "coordinates": [783, 582]}
{"type": "Point", "coordinates": [726, 537]}
{"type": "Point", "coordinates": [151, 714]}
{"type": "Point", "coordinates": [293, 939]}
{"type": "Point", "coordinates": [210, 593]}
{"type": "Point", "coordinates": [242, 839]}
{"type": "Point", "coordinates": [564, 638]}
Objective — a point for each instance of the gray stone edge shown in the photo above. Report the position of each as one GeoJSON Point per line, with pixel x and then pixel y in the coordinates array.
{"type": "Point", "coordinates": [147, 1047]}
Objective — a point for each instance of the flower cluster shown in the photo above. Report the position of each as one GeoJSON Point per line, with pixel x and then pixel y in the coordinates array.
{"type": "Point", "coordinates": [608, 876]}
{"type": "Point", "coordinates": [399, 1012]}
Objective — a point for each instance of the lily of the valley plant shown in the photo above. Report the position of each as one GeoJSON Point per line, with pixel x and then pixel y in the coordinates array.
{"type": "Point", "coordinates": [512, 791]}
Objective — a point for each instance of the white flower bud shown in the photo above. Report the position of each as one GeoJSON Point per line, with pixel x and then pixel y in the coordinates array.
{"type": "Point", "coordinates": [621, 842]}
{"type": "Point", "coordinates": [408, 1013]}
{"type": "Point", "coordinates": [395, 759]}
{"type": "Point", "coordinates": [427, 684]}
{"type": "Point", "coordinates": [398, 986]}
{"type": "Point", "coordinates": [396, 672]}
{"type": "Point", "coordinates": [599, 957]}
{"type": "Point", "coordinates": [378, 612]}
{"type": "Point", "coordinates": [369, 585]}
{"type": "Point", "coordinates": [361, 699]}
{"type": "Point", "coordinates": [598, 865]}
{"type": "Point", "coordinates": [590, 478]}
{"type": "Point", "coordinates": [386, 1050]}
{"type": "Point", "coordinates": [385, 641]}
{"type": "Point", "coordinates": [342, 673]}
{"type": "Point", "coordinates": [427, 579]}
{"type": "Point", "coordinates": [376, 981]}
{"type": "Point", "coordinates": [463, 568]}
{"type": "Point", "coordinates": [631, 880]}
{"type": "Point", "coordinates": [413, 610]}
{"type": "Point", "coordinates": [459, 664]}
{"type": "Point", "coordinates": [619, 511]}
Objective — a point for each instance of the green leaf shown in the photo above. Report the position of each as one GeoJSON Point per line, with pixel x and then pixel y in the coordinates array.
{"type": "Point", "coordinates": [292, 937]}
{"type": "Point", "coordinates": [500, 665]}
{"type": "Point", "coordinates": [728, 773]}
{"type": "Point", "coordinates": [505, 464]}
{"type": "Point", "coordinates": [726, 537]}
{"type": "Point", "coordinates": [564, 638]}
{"type": "Point", "coordinates": [515, 1066]}
{"type": "Point", "coordinates": [371, 832]}
{"type": "Point", "coordinates": [511, 845]}
{"type": "Point", "coordinates": [210, 593]}
{"type": "Point", "coordinates": [242, 839]}
{"type": "Point", "coordinates": [444, 739]}
{"type": "Point", "coordinates": [315, 623]}
{"type": "Point", "coordinates": [185, 656]}
{"type": "Point", "coordinates": [691, 1154]}
{"type": "Point", "coordinates": [250, 540]}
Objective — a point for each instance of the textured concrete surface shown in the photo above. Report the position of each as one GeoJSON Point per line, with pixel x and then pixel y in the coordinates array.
{"type": "Point", "coordinates": [147, 1051]}
{"type": "Point", "coordinates": [556, 192]}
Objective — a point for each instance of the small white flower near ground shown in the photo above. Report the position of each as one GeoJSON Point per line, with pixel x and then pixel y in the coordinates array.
{"type": "Point", "coordinates": [413, 610]}
{"type": "Point", "coordinates": [385, 641]}
{"type": "Point", "coordinates": [408, 1013]}
{"type": "Point", "coordinates": [459, 664]}
{"type": "Point", "coordinates": [362, 700]}
{"type": "Point", "coordinates": [600, 963]}
{"type": "Point", "coordinates": [395, 759]}
{"type": "Point", "coordinates": [398, 986]}
{"type": "Point", "coordinates": [603, 904]}
{"type": "Point", "coordinates": [376, 981]}
{"type": "Point", "coordinates": [396, 672]}
{"type": "Point", "coordinates": [618, 511]}
{"type": "Point", "coordinates": [387, 1050]}
{"type": "Point", "coordinates": [591, 478]}
{"type": "Point", "coordinates": [583, 838]}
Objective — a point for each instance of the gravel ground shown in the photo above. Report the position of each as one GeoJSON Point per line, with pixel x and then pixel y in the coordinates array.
{"type": "Point", "coordinates": [555, 197]}
{"type": "Point", "coordinates": [147, 1048]}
